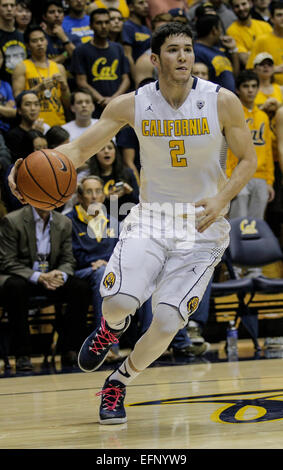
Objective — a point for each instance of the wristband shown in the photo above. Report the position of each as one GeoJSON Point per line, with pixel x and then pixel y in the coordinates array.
{"type": "Point", "coordinates": [233, 50]}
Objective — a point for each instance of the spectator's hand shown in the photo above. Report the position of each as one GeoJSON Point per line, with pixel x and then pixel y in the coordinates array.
{"type": "Point", "coordinates": [278, 68]}
{"type": "Point", "coordinates": [119, 192]}
{"type": "Point", "coordinates": [59, 32]}
{"type": "Point", "coordinates": [58, 78]}
{"type": "Point", "coordinates": [270, 106]}
{"type": "Point", "coordinates": [228, 42]}
{"type": "Point", "coordinates": [51, 280]}
{"type": "Point", "coordinates": [12, 181]}
{"type": "Point", "coordinates": [98, 263]}
{"type": "Point", "coordinates": [105, 100]}
{"type": "Point", "coordinates": [38, 125]}
{"type": "Point", "coordinates": [271, 193]}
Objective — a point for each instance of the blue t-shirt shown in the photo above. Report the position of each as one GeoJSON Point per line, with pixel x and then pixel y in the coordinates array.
{"type": "Point", "coordinates": [78, 29]}
{"type": "Point", "coordinates": [6, 94]}
{"type": "Point", "coordinates": [219, 65]}
{"type": "Point", "coordinates": [103, 67]}
{"type": "Point", "coordinates": [137, 36]}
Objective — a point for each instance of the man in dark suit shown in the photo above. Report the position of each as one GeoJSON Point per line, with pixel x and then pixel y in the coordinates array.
{"type": "Point", "coordinates": [36, 259]}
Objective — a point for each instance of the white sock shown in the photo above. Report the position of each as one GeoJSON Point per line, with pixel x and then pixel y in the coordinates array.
{"type": "Point", "coordinates": [125, 373]}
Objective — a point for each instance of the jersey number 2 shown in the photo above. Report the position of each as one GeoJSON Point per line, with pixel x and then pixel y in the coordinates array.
{"type": "Point", "coordinates": [177, 150]}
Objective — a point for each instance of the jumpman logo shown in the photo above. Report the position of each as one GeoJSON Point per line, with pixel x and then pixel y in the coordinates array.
{"type": "Point", "coordinates": [193, 270]}
{"type": "Point", "coordinates": [149, 108]}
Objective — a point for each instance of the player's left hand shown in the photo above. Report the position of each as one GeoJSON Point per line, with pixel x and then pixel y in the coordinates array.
{"type": "Point", "coordinates": [212, 207]}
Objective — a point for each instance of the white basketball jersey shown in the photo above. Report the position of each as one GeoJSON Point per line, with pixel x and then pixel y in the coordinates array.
{"type": "Point", "coordinates": [182, 151]}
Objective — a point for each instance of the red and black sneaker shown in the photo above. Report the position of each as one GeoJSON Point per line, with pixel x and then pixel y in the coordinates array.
{"type": "Point", "coordinates": [112, 409]}
{"type": "Point", "coordinates": [97, 345]}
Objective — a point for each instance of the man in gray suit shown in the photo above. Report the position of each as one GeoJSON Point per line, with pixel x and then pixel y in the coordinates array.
{"type": "Point", "coordinates": [36, 259]}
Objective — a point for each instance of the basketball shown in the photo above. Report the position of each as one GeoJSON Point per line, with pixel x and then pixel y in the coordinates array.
{"type": "Point", "coordinates": [46, 179]}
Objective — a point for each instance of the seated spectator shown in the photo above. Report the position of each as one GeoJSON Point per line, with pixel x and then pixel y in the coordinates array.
{"type": "Point", "coordinates": [60, 47]}
{"type": "Point", "coordinates": [100, 66]}
{"type": "Point", "coordinates": [272, 42]}
{"type": "Point", "coordinates": [179, 14]}
{"type": "Point", "coordinates": [120, 5]}
{"type": "Point", "coordinates": [223, 11]}
{"type": "Point", "coordinates": [23, 15]}
{"type": "Point", "coordinates": [94, 237]}
{"type": "Point", "coordinates": [82, 106]}
{"type": "Point", "coordinates": [47, 78]}
{"type": "Point", "coordinates": [76, 22]}
{"type": "Point", "coordinates": [136, 35]}
{"type": "Point", "coordinates": [200, 70]}
{"type": "Point", "coordinates": [56, 136]}
{"type": "Point", "coordinates": [260, 10]}
{"type": "Point", "coordinates": [245, 30]}
{"type": "Point", "coordinates": [38, 140]}
{"type": "Point", "coordinates": [207, 51]}
{"type": "Point", "coordinates": [116, 25]}
{"type": "Point", "coordinates": [120, 185]}
{"type": "Point", "coordinates": [7, 106]}
{"type": "Point", "coordinates": [31, 265]}
{"type": "Point", "coordinates": [28, 109]}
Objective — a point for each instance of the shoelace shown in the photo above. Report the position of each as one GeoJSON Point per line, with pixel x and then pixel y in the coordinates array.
{"type": "Point", "coordinates": [103, 339]}
{"type": "Point", "coordinates": [111, 396]}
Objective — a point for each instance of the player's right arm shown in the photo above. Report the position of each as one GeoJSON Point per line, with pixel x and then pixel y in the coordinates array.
{"type": "Point", "coordinates": [118, 113]}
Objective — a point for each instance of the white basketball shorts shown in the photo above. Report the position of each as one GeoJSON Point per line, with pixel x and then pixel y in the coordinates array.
{"type": "Point", "coordinates": [173, 269]}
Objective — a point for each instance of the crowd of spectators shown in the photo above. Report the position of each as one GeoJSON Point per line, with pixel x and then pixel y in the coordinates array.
{"type": "Point", "coordinates": [61, 63]}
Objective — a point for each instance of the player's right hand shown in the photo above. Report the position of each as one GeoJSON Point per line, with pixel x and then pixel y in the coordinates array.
{"type": "Point", "coordinates": [12, 181]}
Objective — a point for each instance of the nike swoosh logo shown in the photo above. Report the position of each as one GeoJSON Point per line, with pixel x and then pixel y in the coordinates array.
{"type": "Point", "coordinates": [125, 374]}
{"type": "Point", "coordinates": [63, 167]}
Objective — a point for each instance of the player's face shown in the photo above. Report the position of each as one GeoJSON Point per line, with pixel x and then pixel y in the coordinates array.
{"type": "Point", "coordinates": [92, 192]}
{"type": "Point", "coordinates": [101, 25]}
{"type": "Point", "coordinates": [30, 107]}
{"type": "Point", "coordinates": [83, 106]}
{"type": "Point", "coordinates": [176, 58]}
{"type": "Point", "coordinates": [242, 9]}
{"type": "Point", "coordinates": [106, 156]}
{"type": "Point", "coordinates": [247, 92]}
{"type": "Point", "coordinates": [200, 70]}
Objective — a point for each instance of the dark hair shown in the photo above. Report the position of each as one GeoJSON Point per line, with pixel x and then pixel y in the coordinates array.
{"type": "Point", "coordinates": [24, 3]}
{"type": "Point", "coordinates": [47, 4]}
{"type": "Point", "coordinates": [19, 97]}
{"type": "Point", "coordinates": [55, 136]}
{"type": "Point", "coordinates": [276, 5]}
{"type": "Point", "coordinates": [161, 17]}
{"type": "Point", "coordinates": [204, 24]}
{"type": "Point", "coordinates": [31, 29]}
{"type": "Point", "coordinates": [80, 90]}
{"type": "Point", "coordinates": [114, 9]}
{"type": "Point", "coordinates": [246, 76]}
{"type": "Point", "coordinates": [98, 11]}
{"type": "Point", "coordinates": [170, 29]}
{"type": "Point", "coordinates": [118, 167]}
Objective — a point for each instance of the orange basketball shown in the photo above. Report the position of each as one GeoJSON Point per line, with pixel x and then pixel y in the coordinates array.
{"type": "Point", "coordinates": [46, 179]}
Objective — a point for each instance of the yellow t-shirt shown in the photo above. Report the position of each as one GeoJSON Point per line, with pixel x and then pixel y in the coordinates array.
{"type": "Point", "coordinates": [274, 46]}
{"type": "Point", "coordinates": [258, 123]}
{"type": "Point", "coordinates": [123, 7]}
{"type": "Point", "coordinates": [51, 108]}
{"type": "Point", "coordinates": [246, 35]}
{"type": "Point", "coordinates": [276, 93]}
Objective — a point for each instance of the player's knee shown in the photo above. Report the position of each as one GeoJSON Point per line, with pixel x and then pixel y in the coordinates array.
{"type": "Point", "coordinates": [118, 307]}
{"type": "Point", "coordinates": [168, 320]}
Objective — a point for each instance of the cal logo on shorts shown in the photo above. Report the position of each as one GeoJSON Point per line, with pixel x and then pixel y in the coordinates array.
{"type": "Point", "coordinates": [192, 304]}
{"type": "Point", "coordinates": [109, 280]}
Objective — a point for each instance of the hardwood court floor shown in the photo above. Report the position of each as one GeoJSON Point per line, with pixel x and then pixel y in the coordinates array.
{"type": "Point", "coordinates": [205, 405]}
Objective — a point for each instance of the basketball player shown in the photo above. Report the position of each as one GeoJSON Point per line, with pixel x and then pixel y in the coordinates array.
{"type": "Point", "coordinates": [181, 122]}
